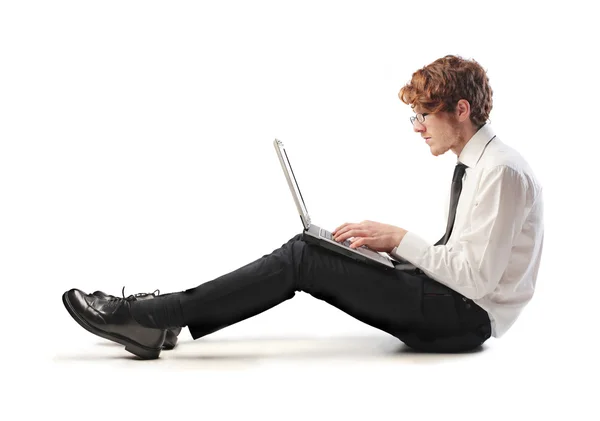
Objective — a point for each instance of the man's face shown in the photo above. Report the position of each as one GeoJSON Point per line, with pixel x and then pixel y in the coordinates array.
{"type": "Point", "coordinates": [440, 131]}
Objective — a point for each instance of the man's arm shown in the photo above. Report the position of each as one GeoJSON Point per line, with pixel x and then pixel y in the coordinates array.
{"type": "Point", "coordinates": [478, 259]}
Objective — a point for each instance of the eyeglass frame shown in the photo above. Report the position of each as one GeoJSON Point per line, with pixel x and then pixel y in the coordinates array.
{"type": "Point", "coordinates": [416, 117]}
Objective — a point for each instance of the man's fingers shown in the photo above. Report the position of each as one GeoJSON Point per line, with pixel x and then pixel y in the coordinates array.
{"type": "Point", "coordinates": [350, 233]}
{"type": "Point", "coordinates": [343, 234]}
{"type": "Point", "coordinates": [359, 242]}
{"type": "Point", "coordinates": [340, 227]}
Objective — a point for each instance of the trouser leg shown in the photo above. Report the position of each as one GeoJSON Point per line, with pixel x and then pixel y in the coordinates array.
{"type": "Point", "coordinates": [390, 300]}
{"type": "Point", "coordinates": [387, 299]}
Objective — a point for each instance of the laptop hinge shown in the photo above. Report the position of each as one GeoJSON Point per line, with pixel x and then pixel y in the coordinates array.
{"type": "Point", "coordinates": [306, 223]}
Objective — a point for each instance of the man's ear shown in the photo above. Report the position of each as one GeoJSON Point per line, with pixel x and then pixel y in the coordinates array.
{"type": "Point", "coordinates": [463, 110]}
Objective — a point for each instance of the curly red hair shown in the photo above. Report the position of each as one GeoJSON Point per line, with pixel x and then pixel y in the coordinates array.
{"type": "Point", "coordinates": [440, 85]}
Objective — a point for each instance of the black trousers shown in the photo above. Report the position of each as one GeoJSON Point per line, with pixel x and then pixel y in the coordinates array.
{"type": "Point", "coordinates": [419, 311]}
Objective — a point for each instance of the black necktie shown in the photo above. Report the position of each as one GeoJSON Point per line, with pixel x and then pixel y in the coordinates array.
{"type": "Point", "coordinates": [459, 171]}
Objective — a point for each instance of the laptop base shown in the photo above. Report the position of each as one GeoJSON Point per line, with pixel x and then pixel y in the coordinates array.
{"type": "Point", "coordinates": [310, 238]}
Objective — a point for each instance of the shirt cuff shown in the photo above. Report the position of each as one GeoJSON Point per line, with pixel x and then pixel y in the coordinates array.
{"type": "Point", "coordinates": [411, 248]}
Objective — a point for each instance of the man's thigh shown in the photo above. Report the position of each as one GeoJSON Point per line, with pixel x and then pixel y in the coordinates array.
{"type": "Point", "coordinates": [404, 303]}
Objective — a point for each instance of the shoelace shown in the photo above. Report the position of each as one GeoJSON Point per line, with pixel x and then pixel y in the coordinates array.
{"type": "Point", "coordinates": [134, 297]}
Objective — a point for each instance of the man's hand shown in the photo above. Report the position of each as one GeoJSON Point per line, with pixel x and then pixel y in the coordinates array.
{"type": "Point", "coordinates": [375, 235]}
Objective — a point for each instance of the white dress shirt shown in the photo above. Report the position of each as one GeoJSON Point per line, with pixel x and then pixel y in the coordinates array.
{"type": "Point", "coordinates": [494, 252]}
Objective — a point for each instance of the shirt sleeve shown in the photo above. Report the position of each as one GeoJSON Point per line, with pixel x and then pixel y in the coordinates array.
{"type": "Point", "coordinates": [474, 263]}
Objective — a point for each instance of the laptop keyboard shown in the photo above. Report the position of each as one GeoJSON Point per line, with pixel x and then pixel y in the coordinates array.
{"type": "Point", "coordinates": [362, 249]}
{"type": "Point", "coordinates": [326, 234]}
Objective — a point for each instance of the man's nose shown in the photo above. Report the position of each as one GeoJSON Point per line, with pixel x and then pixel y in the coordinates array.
{"type": "Point", "coordinates": [418, 127]}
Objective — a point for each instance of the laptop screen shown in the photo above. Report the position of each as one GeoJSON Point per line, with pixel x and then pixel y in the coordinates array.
{"type": "Point", "coordinates": [293, 184]}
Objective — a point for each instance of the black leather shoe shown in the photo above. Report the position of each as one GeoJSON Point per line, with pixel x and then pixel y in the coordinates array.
{"type": "Point", "coordinates": [111, 319]}
{"type": "Point", "coordinates": [171, 338]}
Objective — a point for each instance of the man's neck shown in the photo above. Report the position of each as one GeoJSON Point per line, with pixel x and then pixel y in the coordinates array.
{"type": "Point", "coordinates": [464, 134]}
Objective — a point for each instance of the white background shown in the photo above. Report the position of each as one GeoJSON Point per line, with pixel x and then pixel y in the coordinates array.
{"type": "Point", "coordinates": [136, 150]}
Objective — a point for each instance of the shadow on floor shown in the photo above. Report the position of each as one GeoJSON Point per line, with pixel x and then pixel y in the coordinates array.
{"type": "Point", "coordinates": [232, 350]}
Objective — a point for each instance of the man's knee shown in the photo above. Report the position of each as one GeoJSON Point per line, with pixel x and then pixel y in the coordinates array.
{"type": "Point", "coordinates": [297, 251]}
{"type": "Point", "coordinates": [297, 246]}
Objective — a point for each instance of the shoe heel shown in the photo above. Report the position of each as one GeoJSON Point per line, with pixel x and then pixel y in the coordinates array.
{"type": "Point", "coordinates": [170, 341]}
{"type": "Point", "coordinates": [144, 353]}
{"type": "Point", "coordinates": [167, 346]}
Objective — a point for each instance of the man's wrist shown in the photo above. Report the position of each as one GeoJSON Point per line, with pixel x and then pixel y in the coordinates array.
{"type": "Point", "coordinates": [398, 240]}
{"type": "Point", "coordinates": [401, 233]}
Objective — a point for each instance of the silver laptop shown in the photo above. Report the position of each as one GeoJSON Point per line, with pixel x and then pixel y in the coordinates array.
{"type": "Point", "coordinates": [316, 235]}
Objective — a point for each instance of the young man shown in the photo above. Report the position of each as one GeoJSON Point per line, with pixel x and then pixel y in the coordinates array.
{"type": "Point", "coordinates": [470, 285]}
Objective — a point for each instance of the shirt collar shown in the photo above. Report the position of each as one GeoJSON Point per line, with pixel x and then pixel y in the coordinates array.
{"type": "Point", "coordinates": [474, 148]}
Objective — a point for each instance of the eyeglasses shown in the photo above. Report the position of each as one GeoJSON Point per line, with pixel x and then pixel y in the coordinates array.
{"type": "Point", "coordinates": [419, 117]}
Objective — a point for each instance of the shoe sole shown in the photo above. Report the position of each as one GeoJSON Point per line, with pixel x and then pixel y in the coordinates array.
{"type": "Point", "coordinates": [139, 350]}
